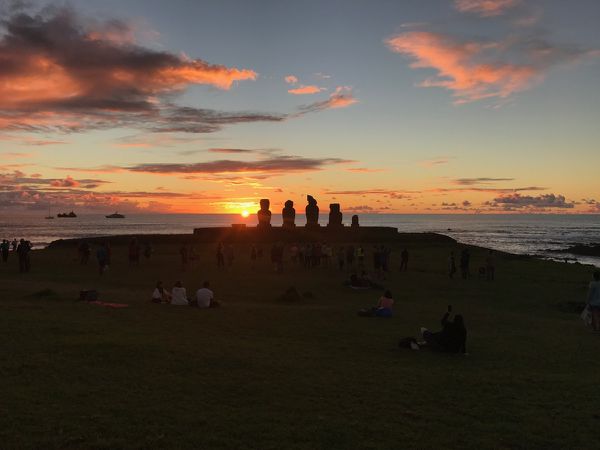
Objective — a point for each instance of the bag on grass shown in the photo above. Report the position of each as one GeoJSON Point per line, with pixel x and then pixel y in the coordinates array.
{"type": "Point", "coordinates": [88, 295]}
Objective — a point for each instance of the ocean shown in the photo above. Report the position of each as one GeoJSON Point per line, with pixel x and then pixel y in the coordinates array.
{"type": "Point", "coordinates": [520, 234]}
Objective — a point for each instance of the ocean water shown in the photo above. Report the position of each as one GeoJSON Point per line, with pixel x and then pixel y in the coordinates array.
{"type": "Point", "coordinates": [521, 234]}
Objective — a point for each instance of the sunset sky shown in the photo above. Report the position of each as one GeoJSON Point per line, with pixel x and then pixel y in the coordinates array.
{"type": "Point", "coordinates": [428, 106]}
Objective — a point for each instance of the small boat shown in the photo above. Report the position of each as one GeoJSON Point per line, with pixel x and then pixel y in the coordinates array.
{"type": "Point", "coordinates": [70, 215]}
{"type": "Point", "coordinates": [116, 215]}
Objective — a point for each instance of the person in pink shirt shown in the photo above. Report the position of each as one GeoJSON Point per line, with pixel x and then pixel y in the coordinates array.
{"type": "Point", "coordinates": [384, 307]}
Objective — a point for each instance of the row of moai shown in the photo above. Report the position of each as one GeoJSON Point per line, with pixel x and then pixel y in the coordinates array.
{"type": "Point", "coordinates": [312, 215]}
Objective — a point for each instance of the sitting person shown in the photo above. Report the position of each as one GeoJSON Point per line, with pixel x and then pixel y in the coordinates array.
{"type": "Point", "coordinates": [179, 295]}
{"type": "Point", "coordinates": [160, 294]}
{"type": "Point", "coordinates": [204, 297]}
{"type": "Point", "coordinates": [451, 339]}
{"type": "Point", "coordinates": [383, 308]}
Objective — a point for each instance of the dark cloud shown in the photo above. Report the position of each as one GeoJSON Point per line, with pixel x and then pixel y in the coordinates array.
{"type": "Point", "coordinates": [275, 165]}
{"type": "Point", "coordinates": [481, 180]}
{"type": "Point", "coordinates": [518, 201]}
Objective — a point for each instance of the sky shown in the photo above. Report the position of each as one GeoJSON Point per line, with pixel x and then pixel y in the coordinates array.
{"type": "Point", "coordinates": [383, 106]}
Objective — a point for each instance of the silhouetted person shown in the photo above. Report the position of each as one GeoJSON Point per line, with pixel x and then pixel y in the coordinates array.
{"type": "Point", "coordinates": [134, 252]}
{"type": "Point", "coordinates": [179, 295]}
{"type": "Point", "coordinates": [4, 249]}
{"type": "Point", "coordinates": [184, 255]}
{"type": "Point", "coordinates": [230, 255]}
{"type": "Point", "coordinates": [84, 253]}
{"type": "Point", "coordinates": [102, 258]}
{"type": "Point", "coordinates": [253, 256]}
{"type": "Point", "coordinates": [23, 250]}
{"type": "Point", "coordinates": [593, 300]}
{"type": "Point", "coordinates": [148, 250]}
{"type": "Point", "coordinates": [490, 266]}
{"type": "Point", "coordinates": [341, 257]}
{"type": "Point", "coordinates": [465, 258]}
{"type": "Point", "coordinates": [220, 255]}
{"type": "Point", "coordinates": [451, 265]}
{"type": "Point", "coordinates": [452, 338]}
{"type": "Point", "coordinates": [350, 256]}
{"type": "Point", "coordinates": [404, 260]}
{"type": "Point", "coordinates": [14, 244]}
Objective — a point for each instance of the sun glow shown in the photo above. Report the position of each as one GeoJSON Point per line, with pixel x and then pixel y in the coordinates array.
{"type": "Point", "coordinates": [245, 213]}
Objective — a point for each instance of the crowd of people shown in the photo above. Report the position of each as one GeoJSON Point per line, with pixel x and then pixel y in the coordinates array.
{"type": "Point", "coordinates": [22, 248]}
{"type": "Point", "coordinates": [203, 298]}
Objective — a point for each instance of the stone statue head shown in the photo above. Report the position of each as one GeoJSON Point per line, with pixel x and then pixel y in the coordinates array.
{"type": "Point", "coordinates": [311, 200]}
{"type": "Point", "coordinates": [289, 204]}
{"type": "Point", "coordinates": [264, 204]}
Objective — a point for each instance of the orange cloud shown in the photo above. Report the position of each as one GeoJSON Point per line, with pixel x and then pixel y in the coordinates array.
{"type": "Point", "coordinates": [303, 90]}
{"type": "Point", "coordinates": [66, 73]}
{"type": "Point", "coordinates": [291, 79]}
{"type": "Point", "coordinates": [341, 98]}
{"type": "Point", "coordinates": [485, 8]}
{"type": "Point", "coordinates": [459, 69]}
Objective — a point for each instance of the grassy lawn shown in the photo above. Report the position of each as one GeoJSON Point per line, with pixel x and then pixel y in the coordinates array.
{"type": "Point", "coordinates": [266, 374]}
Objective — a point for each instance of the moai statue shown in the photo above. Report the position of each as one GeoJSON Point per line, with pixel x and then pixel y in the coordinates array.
{"type": "Point", "coordinates": [335, 216]}
{"type": "Point", "coordinates": [355, 222]}
{"type": "Point", "coordinates": [312, 212]}
{"type": "Point", "coordinates": [289, 215]}
{"type": "Point", "coordinates": [264, 215]}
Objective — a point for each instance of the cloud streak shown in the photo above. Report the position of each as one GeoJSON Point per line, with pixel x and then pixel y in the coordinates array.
{"type": "Point", "coordinates": [482, 69]}
{"type": "Point", "coordinates": [485, 8]}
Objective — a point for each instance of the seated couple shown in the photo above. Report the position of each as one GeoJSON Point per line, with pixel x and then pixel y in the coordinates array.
{"type": "Point", "coordinates": [178, 296]}
{"type": "Point", "coordinates": [384, 307]}
{"type": "Point", "coordinates": [451, 339]}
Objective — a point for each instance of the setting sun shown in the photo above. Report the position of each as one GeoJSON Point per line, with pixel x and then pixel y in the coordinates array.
{"type": "Point", "coordinates": [245, 213]}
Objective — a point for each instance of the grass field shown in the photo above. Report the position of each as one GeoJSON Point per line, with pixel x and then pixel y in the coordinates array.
{"type": "Point", "coordinates": [266, 374]}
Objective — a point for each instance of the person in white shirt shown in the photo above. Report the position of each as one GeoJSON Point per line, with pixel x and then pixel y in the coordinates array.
{"type": "Point", "coordinates": [205, 297]}
{"type": "Point", "coordinates": [179, 295]}
{"type": "Point", "coordinates": [160, 294]}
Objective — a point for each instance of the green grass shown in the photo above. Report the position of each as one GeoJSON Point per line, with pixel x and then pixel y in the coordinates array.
{"type": "Point", "coordinates": [266, 374]}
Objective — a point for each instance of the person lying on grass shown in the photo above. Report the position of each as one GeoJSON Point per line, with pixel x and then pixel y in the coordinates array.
{"type": "Point", "coordinates": [451, 339]}
{"type": "Point", "coordinates": [383, 308]}
{"type": "Point", "coordinates": [179, 295]}
{"type": "Point", "coordinates": [160, 294]}
{"type": "Point", "coordinates": [362, 282]}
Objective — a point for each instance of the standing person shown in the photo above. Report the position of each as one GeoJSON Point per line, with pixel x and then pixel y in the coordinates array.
{"type": "Point", "coordinates": [385, 259]}
{"type": "Point", "coordinates": [134, 252]}
{"type": "Point", "coordinates": [23, 252]}
{"type": "Point", "coordinates": [404, 260]}
{"type": "Point", "coordinates": [377, 256]}
{"type": "Point", "coordinates": [465, 258]}
{"type": "Point", "coordinates": [593, 300]}
{"type": "Point", "coordinates": [14, 245]}
{"type": "Point", "coordinates": [350, 257]}
{"type": "Point", "coordinates": [230, 254]}
{"type": "Point", "coordinates": [183, 253]}
{"type": "Point", "coordinates": [220, 255]}
{"type": "Point", "coordinates": [490, 267]}
{"type": "Point", "coordinates": [341, 255]}
{"type": "Point", "coordinates": [4, 249]}
{"type": "Point", "coordinates": [102, 257]}
{"type": "Point", "coordinates": [294, 253]}
{"type": "Point", "coordinates": [84, 253]}
{"type": "Point", "coordinates": [253, 256]}
{"type": "Point", "coordinates": [360, 257]}
{"type": "Point", "coordinates": [451, 265]}
{"type": "Point", "coordinates": [148, 250]}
